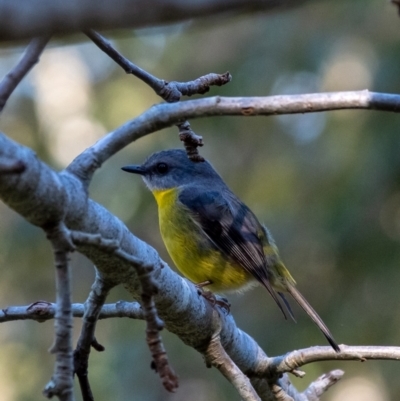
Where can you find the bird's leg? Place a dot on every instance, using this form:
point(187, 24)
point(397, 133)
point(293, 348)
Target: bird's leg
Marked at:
point(212, 298)
point(203, 284)
point(208, 295)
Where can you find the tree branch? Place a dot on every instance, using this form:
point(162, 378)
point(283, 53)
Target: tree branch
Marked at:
point(69, 200)
point(167, 114)
point(130, 68)
point(216, 356)
point(148, 290)
point(188, 315)
point(191, 141)
point(295, 359)
point(11, 166)
point(26, 18)
point(61, 384)
point(97, 296)
point(15, 76)
point(322, 384)
point(169, 91)
point(41, 311)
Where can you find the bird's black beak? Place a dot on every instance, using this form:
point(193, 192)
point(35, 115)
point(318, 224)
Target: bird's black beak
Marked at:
point(135, 169)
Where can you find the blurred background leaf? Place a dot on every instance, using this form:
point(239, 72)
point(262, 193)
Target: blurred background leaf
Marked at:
point(326, 184)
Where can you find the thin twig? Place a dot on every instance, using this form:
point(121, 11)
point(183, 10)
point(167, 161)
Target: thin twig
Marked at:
point(293, 360)
point(41, 311)
point(198, 86)
point(15, 76)
point(149, 289)
point(322, 384)
point(279, 393)
point(130, 68)
point(191, 141)
point(153, 327)
point(61, 383)
point(96, 299)
point(169, 91)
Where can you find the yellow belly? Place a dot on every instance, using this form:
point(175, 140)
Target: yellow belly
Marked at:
point(192, 252)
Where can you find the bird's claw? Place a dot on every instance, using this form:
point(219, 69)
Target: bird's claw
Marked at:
point(214, 300)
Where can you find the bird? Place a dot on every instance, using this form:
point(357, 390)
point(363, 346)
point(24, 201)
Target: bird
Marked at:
point(213, 238)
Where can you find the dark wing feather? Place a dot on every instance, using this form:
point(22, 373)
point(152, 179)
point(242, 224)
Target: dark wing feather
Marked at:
point(232, 228)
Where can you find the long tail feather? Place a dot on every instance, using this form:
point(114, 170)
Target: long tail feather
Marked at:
point(313, 315)
point(288, 307)
point(268, 286)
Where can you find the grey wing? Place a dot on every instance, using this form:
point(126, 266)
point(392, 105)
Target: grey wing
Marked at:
point(232, 227)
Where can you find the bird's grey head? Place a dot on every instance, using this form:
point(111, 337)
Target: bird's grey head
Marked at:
point(172, 168)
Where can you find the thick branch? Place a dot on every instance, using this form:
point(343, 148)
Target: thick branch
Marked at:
point(11, 166)
point(15, 76)
point(188, 315)
point(26, 18)
point(167, 114)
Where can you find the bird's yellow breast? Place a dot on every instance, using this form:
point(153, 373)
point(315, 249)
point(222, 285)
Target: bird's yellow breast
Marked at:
point(192, 252)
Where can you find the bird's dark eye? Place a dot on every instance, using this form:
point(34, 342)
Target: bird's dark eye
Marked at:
point(162, 168)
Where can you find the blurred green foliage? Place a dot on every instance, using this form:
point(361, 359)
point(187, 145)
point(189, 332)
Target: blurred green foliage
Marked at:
point(326, 184)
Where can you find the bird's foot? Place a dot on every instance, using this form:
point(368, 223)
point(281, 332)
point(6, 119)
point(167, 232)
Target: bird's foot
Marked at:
point(213, 299)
